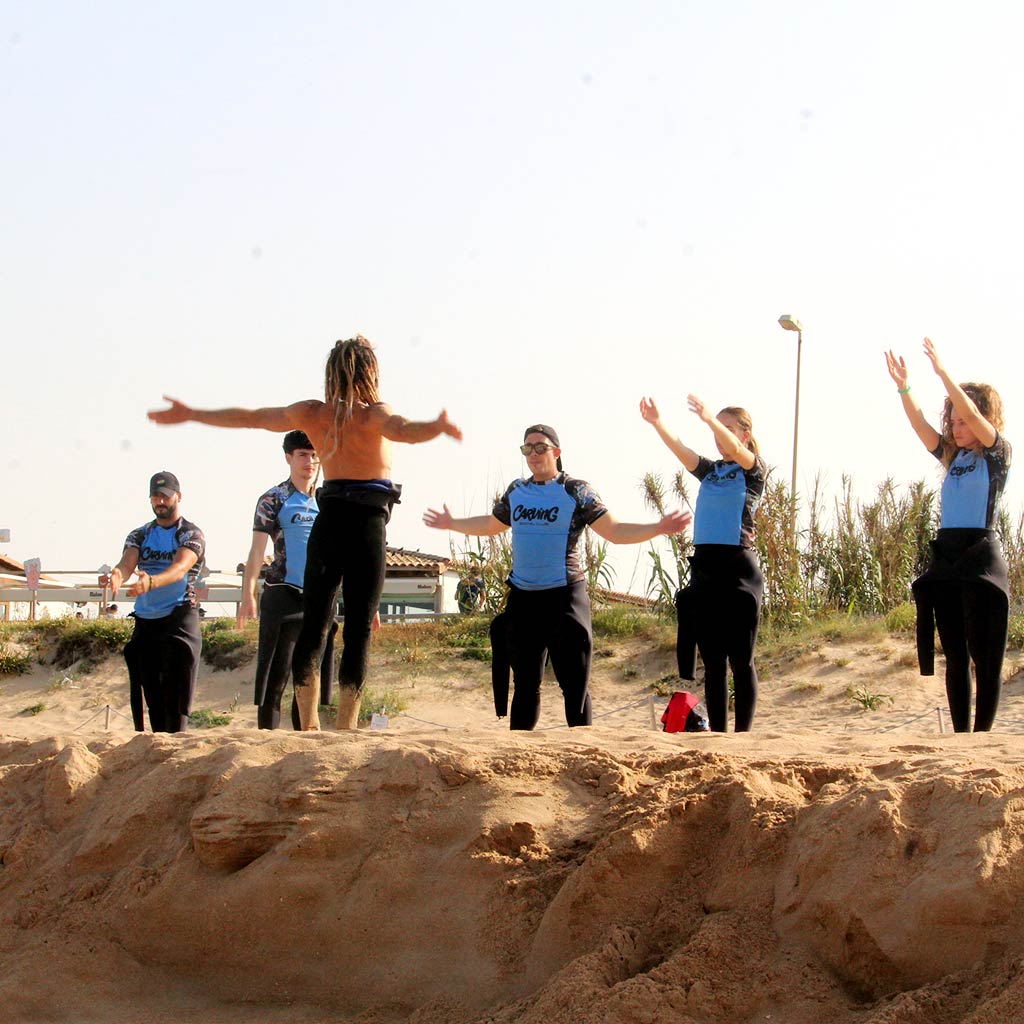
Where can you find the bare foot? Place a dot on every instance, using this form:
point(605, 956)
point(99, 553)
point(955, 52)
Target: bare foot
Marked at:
point(348, 708)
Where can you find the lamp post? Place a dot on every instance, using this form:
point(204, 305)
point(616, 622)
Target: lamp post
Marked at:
point(790, 323)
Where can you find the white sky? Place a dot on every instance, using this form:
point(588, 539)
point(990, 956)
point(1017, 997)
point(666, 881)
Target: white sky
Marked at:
point(537, 211)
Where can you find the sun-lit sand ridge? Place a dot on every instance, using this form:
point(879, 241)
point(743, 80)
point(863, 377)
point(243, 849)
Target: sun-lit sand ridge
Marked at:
point(837, 865)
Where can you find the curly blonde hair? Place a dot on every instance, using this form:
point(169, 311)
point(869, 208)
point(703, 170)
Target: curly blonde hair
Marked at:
point(989, 404)
point(744, 422)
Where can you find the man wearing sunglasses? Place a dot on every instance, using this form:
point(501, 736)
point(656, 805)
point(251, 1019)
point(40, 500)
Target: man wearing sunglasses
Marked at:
point(548, 609)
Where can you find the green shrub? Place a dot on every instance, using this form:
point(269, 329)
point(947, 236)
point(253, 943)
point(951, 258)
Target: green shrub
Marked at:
point(204, 718)
point(378, 701)
point(902, 618)
point(94, 639)
point(867, 700)
point(1016, 631)
point(13, 663)
point(227, 647)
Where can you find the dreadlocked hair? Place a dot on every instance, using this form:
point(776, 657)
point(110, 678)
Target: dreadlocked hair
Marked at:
point(744, 422)
point(351, 377)
point(989, 404)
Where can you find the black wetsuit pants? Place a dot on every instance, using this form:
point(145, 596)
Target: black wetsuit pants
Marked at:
point(163, 663)
point(280, 622)
point(347, 548)
point(971, 628)
point(726, 610)
point(551, 623)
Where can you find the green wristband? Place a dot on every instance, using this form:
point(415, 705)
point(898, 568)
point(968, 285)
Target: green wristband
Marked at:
point(904, 391)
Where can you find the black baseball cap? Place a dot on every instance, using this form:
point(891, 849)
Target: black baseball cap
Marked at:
point(164, 483)
point(296, 439)
point(548, 432)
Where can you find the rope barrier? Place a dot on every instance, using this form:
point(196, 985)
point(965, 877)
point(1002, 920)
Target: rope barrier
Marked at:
point(917, 718)
point(106, 710)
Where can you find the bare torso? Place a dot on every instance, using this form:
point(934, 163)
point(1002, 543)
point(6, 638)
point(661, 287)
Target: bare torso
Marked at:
point(362, 452)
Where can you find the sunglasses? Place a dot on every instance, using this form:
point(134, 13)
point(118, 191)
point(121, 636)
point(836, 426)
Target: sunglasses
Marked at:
point(538, 449)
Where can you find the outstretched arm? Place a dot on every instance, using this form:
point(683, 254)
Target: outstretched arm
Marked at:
point(121, 571)
point(962, 402)
point(897, 367)
point(731, 446)
point(398, 428)
point(474, 526)
point(274, 418)
point(183, 560)
point(687, 456)
point(610, 529)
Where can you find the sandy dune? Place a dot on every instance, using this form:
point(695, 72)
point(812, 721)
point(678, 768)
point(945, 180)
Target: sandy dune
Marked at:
point(835, 865)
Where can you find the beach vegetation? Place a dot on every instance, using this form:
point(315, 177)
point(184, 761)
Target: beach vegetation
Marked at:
point(866, 699)
point(13, 662)
point(206, 718)
point(376, 702)
point(224, 646)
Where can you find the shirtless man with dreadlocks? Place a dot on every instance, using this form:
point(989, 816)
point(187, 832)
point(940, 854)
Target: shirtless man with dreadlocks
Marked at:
point(352, 429)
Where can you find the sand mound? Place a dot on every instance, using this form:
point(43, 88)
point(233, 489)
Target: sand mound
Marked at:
point(378, 878)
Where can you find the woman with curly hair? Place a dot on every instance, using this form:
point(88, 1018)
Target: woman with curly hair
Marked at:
point(964, 591)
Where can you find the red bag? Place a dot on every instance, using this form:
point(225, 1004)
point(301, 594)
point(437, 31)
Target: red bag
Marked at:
point(684, 713)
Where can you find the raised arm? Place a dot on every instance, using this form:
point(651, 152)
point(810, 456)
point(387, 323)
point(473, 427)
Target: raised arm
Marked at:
point(687, 456)
point(473, 526)
point(610, 529)
point(728, 443)
point(398, 428)
point(897, 367)
point(274, 418)
point(962, 402)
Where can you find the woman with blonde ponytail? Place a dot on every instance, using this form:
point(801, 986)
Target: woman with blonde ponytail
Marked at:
point(720, 608)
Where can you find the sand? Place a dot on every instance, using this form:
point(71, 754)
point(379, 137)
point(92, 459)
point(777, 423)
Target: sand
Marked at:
point(836, 865)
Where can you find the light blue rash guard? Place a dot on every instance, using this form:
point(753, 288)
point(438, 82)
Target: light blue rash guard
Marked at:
point(726, 502)
point(546, 520)
point(288, 516)
point(157, 547)
point(973, 485)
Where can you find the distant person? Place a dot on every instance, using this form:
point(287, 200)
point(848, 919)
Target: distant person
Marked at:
point(469, 594)
point(284, 514)
point(548, 608)
point(965, 591)
point(352, 430)
point(719, 610)
point(167, 556)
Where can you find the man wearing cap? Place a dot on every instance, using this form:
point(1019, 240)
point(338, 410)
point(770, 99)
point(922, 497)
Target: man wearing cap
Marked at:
point(548, 608)
point(285, 513)
point(166, 555)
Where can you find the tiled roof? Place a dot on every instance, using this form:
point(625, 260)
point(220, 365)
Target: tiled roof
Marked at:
point(399, 558)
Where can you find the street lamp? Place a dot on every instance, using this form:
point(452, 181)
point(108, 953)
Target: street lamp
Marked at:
point(790, 323)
